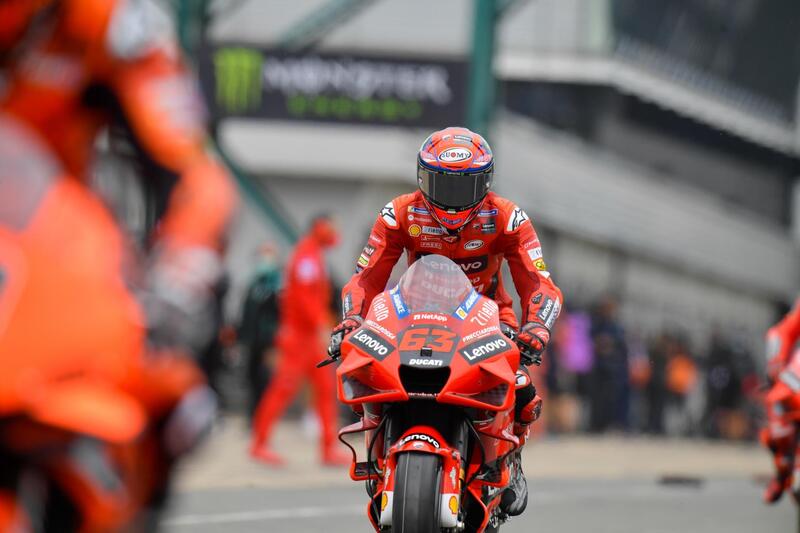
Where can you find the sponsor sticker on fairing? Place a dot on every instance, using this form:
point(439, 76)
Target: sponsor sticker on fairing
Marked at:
point(469, 302)
point(485, 348)
point(485, 313)
point(379, 308)
point(421, 437)
point(424, 361)
point(480, 333)
point(399, 305)
point(372, 343)
point(377, 327)
point(430, 316)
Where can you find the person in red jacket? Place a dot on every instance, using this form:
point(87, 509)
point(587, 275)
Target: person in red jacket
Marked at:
point(305, 320)
point(454, 214)
point(783, 372)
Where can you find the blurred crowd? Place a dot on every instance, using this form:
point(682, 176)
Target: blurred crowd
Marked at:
point(600, 377)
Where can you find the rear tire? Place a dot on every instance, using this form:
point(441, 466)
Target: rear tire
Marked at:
point(415, 508)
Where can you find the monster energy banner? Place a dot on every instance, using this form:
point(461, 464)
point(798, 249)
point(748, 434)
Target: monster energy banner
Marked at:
point(248, 82)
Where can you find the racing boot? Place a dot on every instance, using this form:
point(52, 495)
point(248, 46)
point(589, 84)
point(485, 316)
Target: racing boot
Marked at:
point(515, 498)
point(527, 405)
point(526, 411)
point(779, 437)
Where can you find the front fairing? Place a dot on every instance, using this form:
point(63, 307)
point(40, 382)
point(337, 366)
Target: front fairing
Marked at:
point(430, 337)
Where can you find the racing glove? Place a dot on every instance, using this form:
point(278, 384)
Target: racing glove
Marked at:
point(532, 339)
point(344, 327)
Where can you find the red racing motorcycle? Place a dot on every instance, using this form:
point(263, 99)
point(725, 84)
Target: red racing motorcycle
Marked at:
point(433, 379)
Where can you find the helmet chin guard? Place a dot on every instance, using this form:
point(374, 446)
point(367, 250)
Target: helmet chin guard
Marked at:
point(451, 220)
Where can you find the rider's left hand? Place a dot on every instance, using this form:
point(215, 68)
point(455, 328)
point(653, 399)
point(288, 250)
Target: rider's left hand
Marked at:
point(532, 340)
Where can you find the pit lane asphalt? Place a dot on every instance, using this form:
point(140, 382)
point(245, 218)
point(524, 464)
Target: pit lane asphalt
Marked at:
point(574, 505)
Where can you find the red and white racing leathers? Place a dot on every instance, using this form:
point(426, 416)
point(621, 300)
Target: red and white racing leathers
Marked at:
point(500, 230)
point(783, 399)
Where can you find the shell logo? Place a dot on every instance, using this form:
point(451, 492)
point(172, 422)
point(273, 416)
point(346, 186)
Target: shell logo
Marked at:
point(384, 501)
point(453, 505)
point(414, 230)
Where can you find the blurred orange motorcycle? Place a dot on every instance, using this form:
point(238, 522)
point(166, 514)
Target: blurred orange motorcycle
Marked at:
point(90, 420)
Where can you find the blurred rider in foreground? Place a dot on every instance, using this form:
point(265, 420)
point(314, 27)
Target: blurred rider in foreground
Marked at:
point(454, 214)
point(303, 329)
point(73, 67)
point(77, 378)
point(783, 400)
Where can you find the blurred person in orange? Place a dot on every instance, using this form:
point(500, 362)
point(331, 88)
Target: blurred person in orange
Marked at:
point(305, 320)
point(87, 414)
point(72, 337)
point(73, 67)
point(453, 213)
point(782, 401)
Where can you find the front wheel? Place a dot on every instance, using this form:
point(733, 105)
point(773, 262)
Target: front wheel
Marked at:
point(415, 508)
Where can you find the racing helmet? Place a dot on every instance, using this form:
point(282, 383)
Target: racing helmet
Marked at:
point(454, 173)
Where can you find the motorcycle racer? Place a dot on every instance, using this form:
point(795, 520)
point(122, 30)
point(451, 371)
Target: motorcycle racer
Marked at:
point(453, 213)
point(783, 373)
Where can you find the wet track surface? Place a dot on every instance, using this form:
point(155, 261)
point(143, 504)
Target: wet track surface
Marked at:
point(600, 506)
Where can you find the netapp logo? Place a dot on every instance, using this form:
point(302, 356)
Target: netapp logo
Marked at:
point(484, 349)
point(430, 316)
point(420, 436)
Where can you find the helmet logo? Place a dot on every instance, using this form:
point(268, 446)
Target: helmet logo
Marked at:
point(455, 155)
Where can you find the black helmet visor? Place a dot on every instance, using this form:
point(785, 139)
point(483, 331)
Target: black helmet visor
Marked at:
point(454, 190)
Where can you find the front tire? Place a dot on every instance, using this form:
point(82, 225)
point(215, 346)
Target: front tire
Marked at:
point(415, 508)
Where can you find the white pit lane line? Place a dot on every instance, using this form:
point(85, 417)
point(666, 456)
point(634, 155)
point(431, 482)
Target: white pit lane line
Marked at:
point(266, 514)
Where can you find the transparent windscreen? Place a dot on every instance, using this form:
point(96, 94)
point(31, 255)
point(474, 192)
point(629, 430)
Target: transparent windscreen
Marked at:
point(434, 284)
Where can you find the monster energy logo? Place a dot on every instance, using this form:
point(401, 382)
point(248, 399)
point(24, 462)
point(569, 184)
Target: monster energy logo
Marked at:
point(238, 78)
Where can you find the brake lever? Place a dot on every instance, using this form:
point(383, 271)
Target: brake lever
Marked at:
point(327, 362)
point(333, 356)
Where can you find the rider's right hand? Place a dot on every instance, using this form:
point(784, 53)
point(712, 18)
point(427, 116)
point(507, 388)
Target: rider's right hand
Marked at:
point(344, 327)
